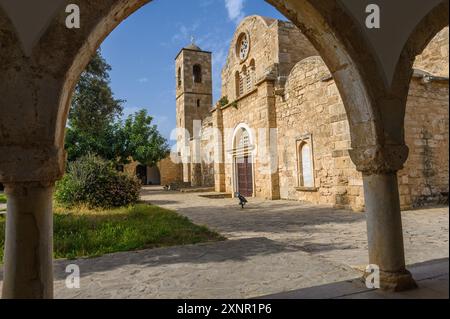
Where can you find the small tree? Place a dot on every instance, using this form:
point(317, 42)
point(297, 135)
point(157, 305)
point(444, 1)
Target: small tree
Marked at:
point(140, 140)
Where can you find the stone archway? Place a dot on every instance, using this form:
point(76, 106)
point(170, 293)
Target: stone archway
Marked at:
point(36, 89)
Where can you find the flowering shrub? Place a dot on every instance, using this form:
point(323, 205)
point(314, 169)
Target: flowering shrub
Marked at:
point(93, 182)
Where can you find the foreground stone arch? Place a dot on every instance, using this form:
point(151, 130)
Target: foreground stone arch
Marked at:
point(36, 89)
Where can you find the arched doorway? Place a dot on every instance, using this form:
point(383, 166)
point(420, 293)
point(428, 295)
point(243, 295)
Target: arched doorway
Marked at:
point(243, 161)
point(141, 173)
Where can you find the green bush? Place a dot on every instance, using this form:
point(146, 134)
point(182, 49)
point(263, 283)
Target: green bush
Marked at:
point(93, 182)
point(2, 198)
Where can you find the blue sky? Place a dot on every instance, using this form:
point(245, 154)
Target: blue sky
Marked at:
point(142, 49)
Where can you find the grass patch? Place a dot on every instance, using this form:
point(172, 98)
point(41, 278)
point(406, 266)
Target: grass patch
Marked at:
point(2, 198)
point(91, 233)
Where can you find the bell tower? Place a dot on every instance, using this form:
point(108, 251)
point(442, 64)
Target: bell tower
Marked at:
point(193, 68)
point(194, 86)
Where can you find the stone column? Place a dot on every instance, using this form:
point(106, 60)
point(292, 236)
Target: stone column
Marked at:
point(385, 232)
point(384, 223)
point(28, 262)
point(29, 175)
point(196, 166)
point(219, 155)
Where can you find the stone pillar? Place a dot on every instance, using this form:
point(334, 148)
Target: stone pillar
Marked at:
point(196, 162)
point(29, 175)
point(385, 232)
point(268, 158)
point(384, 223)
point(186, 172)
point(28, 261)
point(219, 155)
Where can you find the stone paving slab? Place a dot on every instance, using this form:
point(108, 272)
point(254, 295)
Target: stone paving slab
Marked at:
point(431, 277)
point(240, 268)
point(336, 235)
point(272, 247)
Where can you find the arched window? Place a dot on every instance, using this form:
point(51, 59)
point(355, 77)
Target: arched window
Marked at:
point(243, 139)
point(305, 165)
point(179, 77)
point(237, 79)
point(242, 79)
point(197, 71)
point(248, 81)
point(252, 73)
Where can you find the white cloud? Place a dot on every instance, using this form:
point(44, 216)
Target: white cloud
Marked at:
point(235, 9)
point(143, 80)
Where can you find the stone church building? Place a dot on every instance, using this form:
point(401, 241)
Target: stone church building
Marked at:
point(280, 130)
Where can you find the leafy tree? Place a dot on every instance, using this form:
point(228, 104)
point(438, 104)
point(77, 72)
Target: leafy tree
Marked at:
point(94, 106)
point(140, 140)
point(93, 113)
point(95, 125)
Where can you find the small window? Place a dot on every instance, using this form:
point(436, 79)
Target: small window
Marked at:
point(237, 79)
point(197, 70)
point(252, 73)
point(242, 78)
point(198, 103)
point(305, 164)
point(179, 77)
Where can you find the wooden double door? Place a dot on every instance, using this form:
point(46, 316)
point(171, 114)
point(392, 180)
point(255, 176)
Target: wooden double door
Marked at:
point(244, 173)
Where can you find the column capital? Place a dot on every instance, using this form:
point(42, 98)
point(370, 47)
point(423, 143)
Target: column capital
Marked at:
point(22, 164)
point(379, 159)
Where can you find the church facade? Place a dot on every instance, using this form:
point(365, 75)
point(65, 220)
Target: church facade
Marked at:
point(280, 130)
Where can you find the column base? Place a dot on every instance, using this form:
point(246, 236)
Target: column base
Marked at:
point(395, 281)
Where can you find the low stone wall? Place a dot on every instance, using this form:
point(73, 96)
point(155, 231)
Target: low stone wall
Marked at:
point(170, 172)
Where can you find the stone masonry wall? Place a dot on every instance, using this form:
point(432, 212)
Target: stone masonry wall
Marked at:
point(276, 46)
point(301, 99)
point(293, 47)
point(313, 106)
point(193, 100)
point(207, 153)
point(426, 172)
point(435, 57)
point(263, 49)
point(170, 172)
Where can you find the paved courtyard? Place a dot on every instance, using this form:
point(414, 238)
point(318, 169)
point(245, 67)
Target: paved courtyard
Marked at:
point(272, 247)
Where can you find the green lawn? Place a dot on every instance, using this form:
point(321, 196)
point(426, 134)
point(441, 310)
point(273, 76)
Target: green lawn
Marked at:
point(2, 198)
point(87, 233)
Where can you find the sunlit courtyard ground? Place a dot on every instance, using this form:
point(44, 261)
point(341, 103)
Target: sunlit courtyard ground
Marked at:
point(272, 247)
